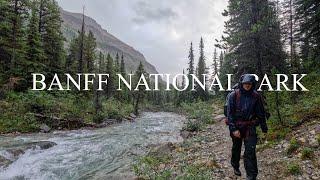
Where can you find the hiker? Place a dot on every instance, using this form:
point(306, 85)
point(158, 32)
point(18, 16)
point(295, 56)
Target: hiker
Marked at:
point(245, 111)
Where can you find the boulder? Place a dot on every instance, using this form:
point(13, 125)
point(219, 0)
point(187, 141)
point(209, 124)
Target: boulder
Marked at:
point(44, 144)
point(185, 134)
point(133, 115)
point(4, 162)
point(162, 150)
point(44, 128)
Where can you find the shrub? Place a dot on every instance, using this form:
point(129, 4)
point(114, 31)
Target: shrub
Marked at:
point(307, 153)
point(193, 125)
point(294, 169)
point(294, 145)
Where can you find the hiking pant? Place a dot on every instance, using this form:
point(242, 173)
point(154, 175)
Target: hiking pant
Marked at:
point(249, 158)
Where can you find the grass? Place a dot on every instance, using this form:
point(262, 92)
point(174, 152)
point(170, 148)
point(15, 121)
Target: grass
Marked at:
point(307, 153)
point(152, 167)
point(199, 114)
point(294, 169)
point(293, 146)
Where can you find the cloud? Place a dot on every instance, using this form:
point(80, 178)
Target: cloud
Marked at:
point(146, 12)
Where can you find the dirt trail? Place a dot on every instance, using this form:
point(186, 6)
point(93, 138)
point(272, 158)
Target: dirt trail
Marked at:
point(206, 154)
point(273, 161)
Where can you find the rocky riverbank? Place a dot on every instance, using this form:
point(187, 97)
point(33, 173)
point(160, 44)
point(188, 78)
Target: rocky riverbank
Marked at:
point(206, 155)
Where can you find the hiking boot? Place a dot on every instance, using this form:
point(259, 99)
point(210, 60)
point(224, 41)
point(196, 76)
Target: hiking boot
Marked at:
point(237, 171)
point(251, 178)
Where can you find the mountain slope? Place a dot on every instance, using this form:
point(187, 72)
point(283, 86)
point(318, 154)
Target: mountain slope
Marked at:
point(106, 42)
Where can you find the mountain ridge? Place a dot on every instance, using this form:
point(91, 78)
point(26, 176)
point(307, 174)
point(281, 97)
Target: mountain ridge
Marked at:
point(106, 42)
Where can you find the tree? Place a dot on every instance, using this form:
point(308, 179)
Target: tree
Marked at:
point(308, 16)
point(201, 69)
point(35, 52)
point(122, 66)
point(253, 37)
point(73, 56)
point(111, 80)
point(13, 14)
point(221, 58)
point(139, 94)
point(289, 31)
point(190, 63)
point(117, 63)
point(215, 62)
point(51, 35)
point(97, 95)
point(90, 51)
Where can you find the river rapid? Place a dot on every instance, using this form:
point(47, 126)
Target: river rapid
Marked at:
point(106, 153)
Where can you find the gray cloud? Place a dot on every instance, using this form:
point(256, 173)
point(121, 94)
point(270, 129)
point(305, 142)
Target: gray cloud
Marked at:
point(146, 12)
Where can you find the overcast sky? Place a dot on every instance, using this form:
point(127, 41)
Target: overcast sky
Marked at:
point(160, 29)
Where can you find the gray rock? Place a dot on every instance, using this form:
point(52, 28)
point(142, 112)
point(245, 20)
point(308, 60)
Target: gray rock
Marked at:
point(44, 144)
point(162, 150)
point(219, 117)
point(185, 134)
point(133, 115)
point(44, 128)
point(4, 162)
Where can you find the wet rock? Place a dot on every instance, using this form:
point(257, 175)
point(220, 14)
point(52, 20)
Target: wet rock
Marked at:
point(16, 152)
point(44, 128)
point(109, 121)
point(44, 144)
point(162, 150)
point(219, 117)
point(4, 162)
point(133, 115)
point(185, 134)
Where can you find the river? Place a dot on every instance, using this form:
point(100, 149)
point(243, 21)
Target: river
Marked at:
point(105, 153)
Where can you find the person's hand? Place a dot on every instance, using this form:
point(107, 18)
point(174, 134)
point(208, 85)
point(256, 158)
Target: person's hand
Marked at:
point(236, 133)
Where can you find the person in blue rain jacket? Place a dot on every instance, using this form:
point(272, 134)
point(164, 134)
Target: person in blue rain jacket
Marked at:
point(245, 111)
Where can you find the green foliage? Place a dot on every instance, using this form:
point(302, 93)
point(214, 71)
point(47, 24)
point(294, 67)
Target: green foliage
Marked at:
point(148, 167)
point(293, 146)
point(198, 113)
point(18, 109)
point(115, 109)
point(307, 153)
point(193, 126)
point(192, 172)
point(294, 169)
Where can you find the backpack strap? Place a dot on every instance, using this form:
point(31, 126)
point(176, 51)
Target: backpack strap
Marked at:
point(238, 96)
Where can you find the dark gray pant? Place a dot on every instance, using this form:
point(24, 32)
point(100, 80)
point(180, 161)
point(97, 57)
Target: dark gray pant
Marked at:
point(249, 158)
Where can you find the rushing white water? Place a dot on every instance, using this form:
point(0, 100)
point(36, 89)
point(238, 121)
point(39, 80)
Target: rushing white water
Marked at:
point(105, 153)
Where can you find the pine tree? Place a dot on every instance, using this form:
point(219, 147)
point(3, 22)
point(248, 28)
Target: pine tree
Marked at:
point(308, 16)
point(35, 52)
point(221, 58)
point(90, 51)
point(111, 80)
point(289, 31)
point(73, 56)
point(139, 95)
point(81, 45)
point(122, 66)
point(51, 35)
point(201, 69)
point(215, 62)
point(13, 15)
point(253, 38)
point(117, 63)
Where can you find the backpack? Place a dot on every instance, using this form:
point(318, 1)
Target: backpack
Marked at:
point(237, 99)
